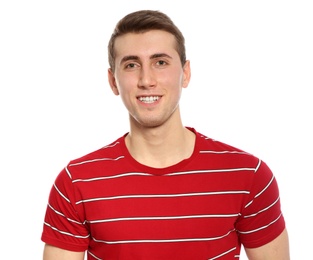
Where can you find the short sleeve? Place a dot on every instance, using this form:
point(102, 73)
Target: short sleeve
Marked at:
point(261, 219)
point(63, 226)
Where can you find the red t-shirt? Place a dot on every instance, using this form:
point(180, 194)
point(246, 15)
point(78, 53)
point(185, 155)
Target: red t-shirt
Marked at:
point(203, 207)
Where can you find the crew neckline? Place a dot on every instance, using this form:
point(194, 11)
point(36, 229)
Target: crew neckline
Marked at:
point(160, 171)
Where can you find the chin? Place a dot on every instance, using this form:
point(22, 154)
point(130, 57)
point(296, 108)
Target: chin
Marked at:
point(149, 123)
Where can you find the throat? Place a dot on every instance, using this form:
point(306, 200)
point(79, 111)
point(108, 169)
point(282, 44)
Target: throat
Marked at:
point(161, 153)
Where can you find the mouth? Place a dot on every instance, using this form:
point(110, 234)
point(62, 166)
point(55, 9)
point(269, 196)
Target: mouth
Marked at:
point(149, 99)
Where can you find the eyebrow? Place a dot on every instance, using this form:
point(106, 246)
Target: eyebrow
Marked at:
point(129, 57)
point(153, 56)
point(160, 55)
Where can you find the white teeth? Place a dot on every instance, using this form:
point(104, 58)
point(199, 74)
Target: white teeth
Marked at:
point(149, 99)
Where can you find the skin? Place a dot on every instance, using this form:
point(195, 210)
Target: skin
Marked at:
point(277, 249)
point(55, 253)
point(148, 65)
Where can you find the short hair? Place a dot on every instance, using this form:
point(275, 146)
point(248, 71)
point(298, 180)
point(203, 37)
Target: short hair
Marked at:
point(143, 21)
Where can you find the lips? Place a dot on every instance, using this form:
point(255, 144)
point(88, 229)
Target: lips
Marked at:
point(149, 99)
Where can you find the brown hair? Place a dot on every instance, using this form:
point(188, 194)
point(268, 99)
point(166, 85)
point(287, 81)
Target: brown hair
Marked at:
point(143, 21)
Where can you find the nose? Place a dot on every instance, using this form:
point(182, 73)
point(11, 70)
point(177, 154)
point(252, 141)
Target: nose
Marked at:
point(146, 77)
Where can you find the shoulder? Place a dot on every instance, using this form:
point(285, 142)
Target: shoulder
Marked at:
point(225, 153)
point(229, 158)
point(208, 142)
point(94, 163)
point(109, 151)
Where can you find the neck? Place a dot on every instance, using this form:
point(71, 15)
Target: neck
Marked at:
point(160, 146)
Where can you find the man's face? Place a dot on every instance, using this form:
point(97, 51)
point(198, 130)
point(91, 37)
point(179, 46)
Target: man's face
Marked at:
point(149, 76)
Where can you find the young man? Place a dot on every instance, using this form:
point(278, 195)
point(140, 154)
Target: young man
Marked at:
point(161, 191)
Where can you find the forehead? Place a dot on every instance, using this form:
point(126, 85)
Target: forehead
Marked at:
point(147, 43)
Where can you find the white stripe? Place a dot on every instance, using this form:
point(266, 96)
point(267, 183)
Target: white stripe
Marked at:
point(225, 253)
point(222, 152)
point(65, 233)
point(61, 214)
point(55, 186)
point(94, 255)
point(249, 203)
point(211, 171)
point(169, 174)
point(68, 172)
point(110, 146)
point(114, 176)
point(163, 218)
point(258, 166)
point(253, 215)
point(260, 228)
point(97, 160)
point(162, 240)
point(165, 195)
point(265, 187)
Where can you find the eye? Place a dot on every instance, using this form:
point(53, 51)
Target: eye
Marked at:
point(130, 66)
point(161, 62)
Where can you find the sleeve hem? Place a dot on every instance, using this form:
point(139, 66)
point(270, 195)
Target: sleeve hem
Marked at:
point(264, 240)
point(63, 244)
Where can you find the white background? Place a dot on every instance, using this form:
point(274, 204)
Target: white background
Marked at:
point(251, 87)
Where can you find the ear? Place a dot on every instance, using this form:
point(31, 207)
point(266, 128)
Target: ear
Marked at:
point(112, 82)
point(187, 74)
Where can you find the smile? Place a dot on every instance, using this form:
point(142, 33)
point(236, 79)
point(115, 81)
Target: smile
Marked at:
point(150, 99)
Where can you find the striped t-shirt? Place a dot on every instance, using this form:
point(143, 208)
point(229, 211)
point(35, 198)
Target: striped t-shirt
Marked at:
point(203, 207)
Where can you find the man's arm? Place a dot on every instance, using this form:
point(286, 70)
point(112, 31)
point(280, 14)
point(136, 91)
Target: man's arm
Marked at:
point(277, 249)
point(53, 253)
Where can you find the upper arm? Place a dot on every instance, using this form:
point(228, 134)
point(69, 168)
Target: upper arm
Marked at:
point(277, 249)
point(52, 253)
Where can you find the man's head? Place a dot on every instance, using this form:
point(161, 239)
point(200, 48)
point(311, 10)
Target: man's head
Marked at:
point(143, 21)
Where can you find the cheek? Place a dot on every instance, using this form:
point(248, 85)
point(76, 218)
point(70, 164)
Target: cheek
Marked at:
point(177, 74)
point(125, 90)
point(121, 86)
point(172, 77)
point(125, 81)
